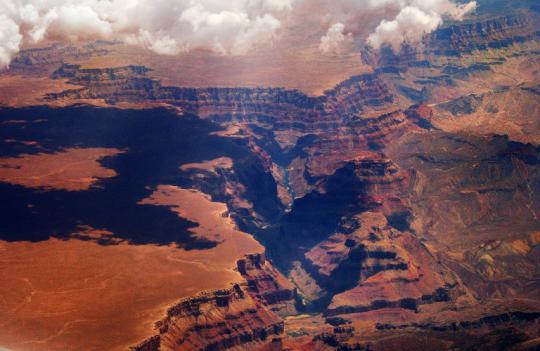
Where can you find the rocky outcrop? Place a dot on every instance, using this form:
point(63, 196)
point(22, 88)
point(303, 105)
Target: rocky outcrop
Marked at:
point(356, 94)
point(246, 315)
point(268, 285)
point(118, 84)
point(79, 76)
point(283, 126)
point(385, 267)
point(323, 245)
point(284, 109)
point(504, 110)
point(46, 59)
point(487, 321)
point(511, 330)
point(477, 196)
point(367, 182)
point(215, 320)
point(457, 39)
point(128, 83)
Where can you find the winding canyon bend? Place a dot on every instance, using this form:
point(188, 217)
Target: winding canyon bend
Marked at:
point(398, 209)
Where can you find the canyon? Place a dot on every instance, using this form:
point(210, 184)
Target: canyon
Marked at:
point(398, 210)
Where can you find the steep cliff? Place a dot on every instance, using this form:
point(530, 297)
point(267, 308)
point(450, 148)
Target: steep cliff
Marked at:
point(44, 60)
point(393, 268)
point(496, 32)
point(459, 39)
point(476, 199)
point(245, 315)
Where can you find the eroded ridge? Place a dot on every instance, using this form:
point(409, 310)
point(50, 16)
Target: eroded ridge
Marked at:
point(246, 315)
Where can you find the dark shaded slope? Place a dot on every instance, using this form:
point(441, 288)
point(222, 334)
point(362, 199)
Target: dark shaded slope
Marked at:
point(157, 142)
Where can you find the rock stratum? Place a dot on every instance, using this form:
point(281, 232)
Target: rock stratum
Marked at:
point(246, 316)
point(398, 210)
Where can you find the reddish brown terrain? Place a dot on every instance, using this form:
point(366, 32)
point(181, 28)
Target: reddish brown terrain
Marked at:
point(391, 203)
point(72, 169)
point(77, 292)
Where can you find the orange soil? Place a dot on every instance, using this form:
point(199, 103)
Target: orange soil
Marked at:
point(266, 67)
point(78, 295)
point(73, 169)
point(17, 90)
point(211, 165)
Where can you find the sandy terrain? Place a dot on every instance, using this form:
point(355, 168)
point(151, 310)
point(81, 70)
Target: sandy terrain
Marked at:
point(17, 90)
point(73, 169)
point(78, 295)
point(214, 224)
point(210, 166)
point(268, 67)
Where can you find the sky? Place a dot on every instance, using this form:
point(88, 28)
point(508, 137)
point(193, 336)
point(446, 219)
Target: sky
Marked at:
point(231, 27)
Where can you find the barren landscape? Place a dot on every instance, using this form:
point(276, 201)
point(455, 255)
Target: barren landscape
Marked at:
point(78, 292)
point(322, 188)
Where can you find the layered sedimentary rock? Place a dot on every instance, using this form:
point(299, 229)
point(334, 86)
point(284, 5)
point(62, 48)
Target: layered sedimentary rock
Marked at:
point(283, 125)
point(505, 30)
point(457, 39)
point(268, 285)
point(506, 110)
point(514, 330)
point(215, 320)
point(246, 315)
point(393, 268)
point(278, 106)
point(43, 60)
point(476, 198)
point(390, 216)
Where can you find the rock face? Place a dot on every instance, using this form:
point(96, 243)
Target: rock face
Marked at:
point(357, 115)
point(484, 333)
point(266, 284)
point(42, 60)
point(216, 320)
point(393, 268)
point(478, 213)
point(501, 31)
point(244, 316)
point(458, 39)
point(509, 110)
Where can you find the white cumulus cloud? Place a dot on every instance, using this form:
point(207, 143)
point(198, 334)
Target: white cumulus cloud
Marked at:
point(165, 26)
point(414, 19)
point(10, 39)
point(335, 39)
point(230, 27)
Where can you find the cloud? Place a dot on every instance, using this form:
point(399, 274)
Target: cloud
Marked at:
point(335, 39)
point(165, 26)
point(10, 39)
point(75, 22)
point(227, 31)
point(231, 27)
point(409, 25)
point(391, 22)
point(278, 5)
point(414, 19)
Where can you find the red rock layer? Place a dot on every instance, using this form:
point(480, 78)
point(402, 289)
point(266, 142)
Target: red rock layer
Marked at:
point(458, 38)
point(396, 270)
point(266, 284)
point(244, 315)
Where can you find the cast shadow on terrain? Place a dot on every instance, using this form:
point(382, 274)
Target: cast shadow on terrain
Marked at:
point(157, 142)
